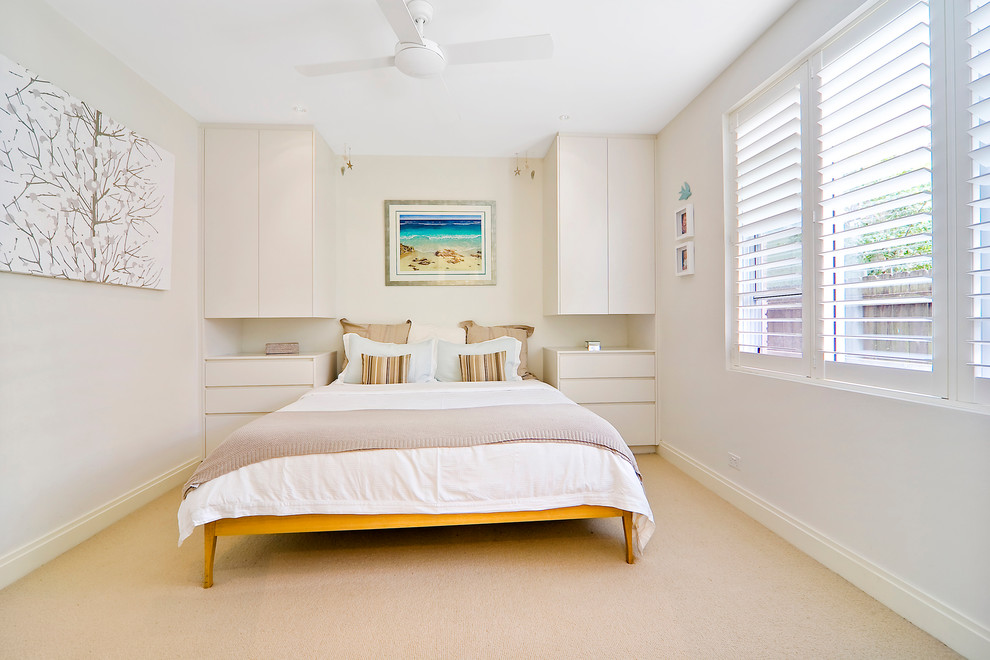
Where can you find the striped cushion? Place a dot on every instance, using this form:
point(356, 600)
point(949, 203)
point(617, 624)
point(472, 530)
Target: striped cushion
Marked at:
point(488, 366)
point(384, 370)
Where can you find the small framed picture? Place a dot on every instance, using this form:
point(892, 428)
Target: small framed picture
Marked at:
point(684, 263)
point(684, 222)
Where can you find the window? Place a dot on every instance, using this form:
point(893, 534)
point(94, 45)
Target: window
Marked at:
point(845, 233)
point(768, 236)
point(978, 33)
point(875, 208)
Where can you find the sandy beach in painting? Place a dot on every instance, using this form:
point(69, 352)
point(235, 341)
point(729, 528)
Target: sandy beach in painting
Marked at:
point(412, 260)
point(440, 242)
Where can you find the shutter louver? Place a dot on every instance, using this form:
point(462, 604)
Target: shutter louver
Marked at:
point(979, 220)
point(768, 228)
point(875, 273)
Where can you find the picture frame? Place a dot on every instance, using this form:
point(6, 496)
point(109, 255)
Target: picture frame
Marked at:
point(684, 222)
point(684, 259)
point(439, 242)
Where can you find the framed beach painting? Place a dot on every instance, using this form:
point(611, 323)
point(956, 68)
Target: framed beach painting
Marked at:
point(429, 242)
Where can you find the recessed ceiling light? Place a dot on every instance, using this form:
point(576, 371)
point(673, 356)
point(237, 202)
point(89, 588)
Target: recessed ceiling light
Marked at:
point(301, 109)
point(564, 117)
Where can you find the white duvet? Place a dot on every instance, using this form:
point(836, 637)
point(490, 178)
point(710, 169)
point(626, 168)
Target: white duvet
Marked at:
point(480, 479)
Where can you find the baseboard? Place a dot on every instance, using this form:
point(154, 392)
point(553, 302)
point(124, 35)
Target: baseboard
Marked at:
point(957, 631)
point(18, 563)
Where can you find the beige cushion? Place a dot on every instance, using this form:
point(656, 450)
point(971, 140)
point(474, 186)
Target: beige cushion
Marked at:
point(386, 333)
point(384, 370)
point(394, 333)
point(479, 333)
point(483, 367)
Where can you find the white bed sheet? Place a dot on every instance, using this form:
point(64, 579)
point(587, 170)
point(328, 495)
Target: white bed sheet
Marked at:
point(426, 396)
point(477, 479)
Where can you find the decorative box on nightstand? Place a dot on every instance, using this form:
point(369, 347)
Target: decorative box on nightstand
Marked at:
point(617, 383)
point(241, 388)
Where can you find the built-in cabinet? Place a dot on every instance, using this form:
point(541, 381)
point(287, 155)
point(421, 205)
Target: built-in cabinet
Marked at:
point(268, 208)
point(269, 200)
point(241, 388)
point(599, 252)
point(619, 384)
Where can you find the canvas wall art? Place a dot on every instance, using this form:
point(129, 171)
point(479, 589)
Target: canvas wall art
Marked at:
point(82, 197)
point(439, 242)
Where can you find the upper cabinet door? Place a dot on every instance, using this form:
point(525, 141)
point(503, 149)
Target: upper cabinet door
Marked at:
point(270, 235)
point(631, 222)
point(285, 230)
point(582, 225)
point(324, 230)
point(599, 237)
point(231, 223)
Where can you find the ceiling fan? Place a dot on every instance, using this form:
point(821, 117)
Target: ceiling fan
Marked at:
point(419, 57)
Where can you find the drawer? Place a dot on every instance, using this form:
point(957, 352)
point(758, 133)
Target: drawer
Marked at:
point(251, 399)
point(636, 422)
point(607, 365)
point(609, 390)
point(262, 371)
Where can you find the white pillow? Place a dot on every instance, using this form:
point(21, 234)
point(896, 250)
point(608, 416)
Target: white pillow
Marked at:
point(423, 331)
point(449, 364)
point(421, 364)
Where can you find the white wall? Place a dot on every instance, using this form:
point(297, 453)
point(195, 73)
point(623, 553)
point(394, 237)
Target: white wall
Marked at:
point(101, 389)
point(901, 487)
point(516, 298)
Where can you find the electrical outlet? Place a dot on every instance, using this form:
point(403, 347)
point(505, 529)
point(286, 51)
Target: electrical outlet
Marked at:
point(734, 461)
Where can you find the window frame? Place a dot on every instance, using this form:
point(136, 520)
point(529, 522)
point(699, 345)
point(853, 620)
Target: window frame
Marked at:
point(786, 364)
point(951, 381)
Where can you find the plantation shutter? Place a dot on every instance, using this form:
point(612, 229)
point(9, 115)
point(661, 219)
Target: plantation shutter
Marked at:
point(767, 241)
point(979, 221)
point(875, 177)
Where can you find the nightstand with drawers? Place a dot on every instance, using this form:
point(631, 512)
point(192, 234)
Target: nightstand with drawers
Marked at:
point(617, 383)
point(241, 388)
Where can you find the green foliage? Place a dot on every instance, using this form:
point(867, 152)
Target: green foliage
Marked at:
point(920, 229)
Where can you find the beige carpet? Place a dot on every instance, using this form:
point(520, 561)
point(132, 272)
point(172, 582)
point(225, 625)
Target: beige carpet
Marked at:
point(712, 584)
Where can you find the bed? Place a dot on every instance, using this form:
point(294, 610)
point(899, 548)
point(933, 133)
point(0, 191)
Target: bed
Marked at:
point(351, 456)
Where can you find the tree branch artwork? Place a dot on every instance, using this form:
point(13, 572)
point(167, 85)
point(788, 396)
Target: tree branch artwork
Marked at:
point(81, 196)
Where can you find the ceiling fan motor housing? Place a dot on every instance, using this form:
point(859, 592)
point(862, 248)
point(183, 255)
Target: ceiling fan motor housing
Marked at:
point(421, 12)
point(420, 61)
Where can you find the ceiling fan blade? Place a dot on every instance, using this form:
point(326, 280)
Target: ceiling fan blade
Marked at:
point(512, 49)
point(401, 20)
point(330, 68)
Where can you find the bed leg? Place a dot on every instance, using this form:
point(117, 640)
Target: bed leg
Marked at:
point(627, 529)
point(210, 541)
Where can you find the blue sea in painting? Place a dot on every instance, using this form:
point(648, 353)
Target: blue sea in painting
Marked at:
point(429, 232)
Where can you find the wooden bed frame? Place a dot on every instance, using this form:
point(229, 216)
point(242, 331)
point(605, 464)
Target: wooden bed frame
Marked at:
point(333, 523)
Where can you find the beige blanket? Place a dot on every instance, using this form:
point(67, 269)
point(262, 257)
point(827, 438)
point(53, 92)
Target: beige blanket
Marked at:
point(299, 433)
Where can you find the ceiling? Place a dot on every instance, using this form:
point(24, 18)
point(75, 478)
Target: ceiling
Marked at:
point(625, 66)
